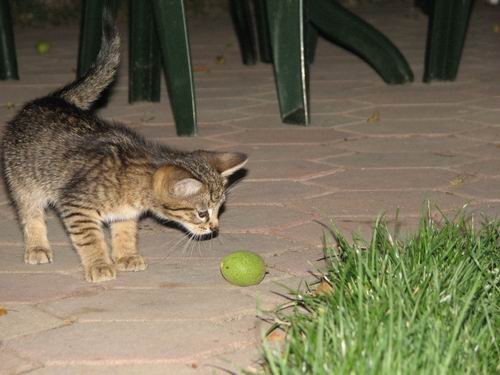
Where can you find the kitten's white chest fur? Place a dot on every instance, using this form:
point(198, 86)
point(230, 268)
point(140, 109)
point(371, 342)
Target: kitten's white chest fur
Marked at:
point(122, 213)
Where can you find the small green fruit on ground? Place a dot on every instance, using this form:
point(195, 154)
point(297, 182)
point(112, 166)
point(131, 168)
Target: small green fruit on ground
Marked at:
point(42, 47)
point(243, 268)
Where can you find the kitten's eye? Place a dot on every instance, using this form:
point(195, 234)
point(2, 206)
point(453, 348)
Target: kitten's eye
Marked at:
point(203, 214)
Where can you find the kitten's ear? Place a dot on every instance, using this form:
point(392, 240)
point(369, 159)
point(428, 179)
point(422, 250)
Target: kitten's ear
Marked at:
point(186, 187)
point(226, 163)
point(176, 181)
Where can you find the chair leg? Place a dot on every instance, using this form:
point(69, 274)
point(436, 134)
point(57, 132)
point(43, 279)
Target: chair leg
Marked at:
point(241, 15)
point(446, 34)
point(286, 25)
point(350, 31)
point(171, 25)
point(8, 61)
point(266, 53)
point(311, 41)
point(144, 57)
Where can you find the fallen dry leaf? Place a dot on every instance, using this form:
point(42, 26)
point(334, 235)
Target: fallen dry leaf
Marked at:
point(457, 181)
point(496, 28)
point(10, 105)
point(375, 117)
point(324, 288)
point(276, 335)
point(147, 118)
point(201, 69)
point(3, 311)
point(219, 60)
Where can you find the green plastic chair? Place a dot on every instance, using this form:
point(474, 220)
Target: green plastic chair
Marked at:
point(446, 33)
point(8, 61)
point(167, 36)
point(292, 27)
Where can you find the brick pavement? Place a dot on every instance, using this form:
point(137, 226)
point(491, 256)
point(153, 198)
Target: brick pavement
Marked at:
point(438, 141)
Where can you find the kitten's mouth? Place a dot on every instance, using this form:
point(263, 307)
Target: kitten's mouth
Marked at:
point(201, 234)
point(204, 236)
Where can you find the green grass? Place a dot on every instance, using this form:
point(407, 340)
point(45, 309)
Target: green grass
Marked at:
point(425, 305)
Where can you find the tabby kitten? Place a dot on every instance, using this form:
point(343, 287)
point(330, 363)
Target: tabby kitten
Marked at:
point(56, 152)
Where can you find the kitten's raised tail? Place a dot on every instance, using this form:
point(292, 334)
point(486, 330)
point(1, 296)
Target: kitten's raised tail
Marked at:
point(87, 89)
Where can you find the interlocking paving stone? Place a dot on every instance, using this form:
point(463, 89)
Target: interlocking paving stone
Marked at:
point(488, 103)
point(322, 120)
point(192, 143)
point(489, 150)
point(208, 92)
point(160, 131)
point(422, 111)
point(286, 136)
point(154, 305)
point(286, 169)
point(333, 106)
point(222, 104)
point(373, 203)
point(238, 361)
point(490, 133)
point(314, 233)
point(155, 245)
point(130, 342)
point(414, 126)
point(37, 287)
point(298, 262)
point(309, 233)
point(273, 191)
point(481, 211)
point(287, 152)
point(218, 117)
point(23, 320)
point(486, 117)
point(183, 272)
point(17, 95)
point(338, 89)
point(65, 260)
point(418, 93)
point(271, 294)
point(440, 138)
point(126, 369)
point(487, 167)
point(10, 363)
point(259, 218)
point(12, 232)
point(258, 120)
point(488, 188)
point(409, 144)
point(386, 179)
point(142, 115)
point(401, 159)
point(4, 198)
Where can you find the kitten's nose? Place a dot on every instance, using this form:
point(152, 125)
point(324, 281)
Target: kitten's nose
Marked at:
point(214, 228)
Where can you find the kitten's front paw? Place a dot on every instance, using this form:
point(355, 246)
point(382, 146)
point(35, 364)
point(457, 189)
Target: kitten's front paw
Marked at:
point(38, 255)
point(98, 272)
point(131, 263)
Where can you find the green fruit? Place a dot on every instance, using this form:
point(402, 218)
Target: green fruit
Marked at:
point(243, 268)
point(42, 47)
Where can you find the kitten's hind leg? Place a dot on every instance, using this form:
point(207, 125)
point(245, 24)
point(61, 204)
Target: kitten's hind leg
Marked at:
point(124, 253)
point(86, 233)
point(32, 217)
